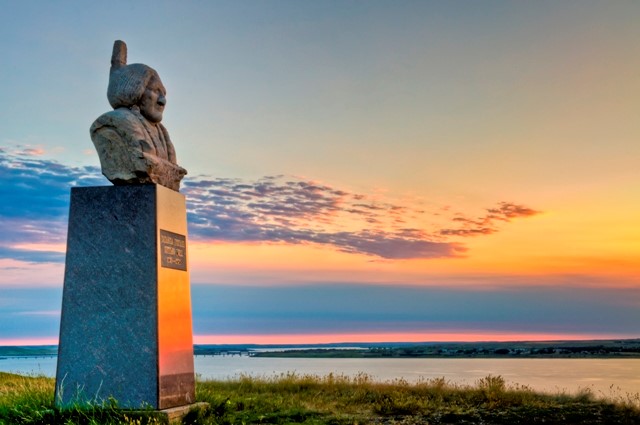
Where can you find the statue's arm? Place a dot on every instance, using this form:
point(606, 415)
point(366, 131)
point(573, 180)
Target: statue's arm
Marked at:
point(127, 156)
point(164, 172)
point(120, 161)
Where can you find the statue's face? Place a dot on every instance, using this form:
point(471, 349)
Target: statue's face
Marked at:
point(153, 100)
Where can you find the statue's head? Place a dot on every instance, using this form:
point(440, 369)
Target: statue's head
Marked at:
point(135, 85)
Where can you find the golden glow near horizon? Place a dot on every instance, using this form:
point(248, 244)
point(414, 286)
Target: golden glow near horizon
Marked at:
point(397, 337)
point(381, 337)
point(553, 243)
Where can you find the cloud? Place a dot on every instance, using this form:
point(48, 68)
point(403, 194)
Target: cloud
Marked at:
point(291, 210)
point(272, 209)
point(508, 210)
point(31, 256)
point(30, 312)
point(44, 313)
point(514, 307)
point(35, 196)
point(488, 224)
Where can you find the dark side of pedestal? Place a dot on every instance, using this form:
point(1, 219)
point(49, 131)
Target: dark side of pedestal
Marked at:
point(125, 331)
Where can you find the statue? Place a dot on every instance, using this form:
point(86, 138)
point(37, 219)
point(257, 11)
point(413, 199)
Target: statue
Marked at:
point(134, 148)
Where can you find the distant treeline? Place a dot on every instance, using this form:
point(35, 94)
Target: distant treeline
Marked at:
point(627, 348)
point(29, 351)
point(552, 349)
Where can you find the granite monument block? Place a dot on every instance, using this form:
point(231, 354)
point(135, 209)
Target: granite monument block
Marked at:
point(126, 329)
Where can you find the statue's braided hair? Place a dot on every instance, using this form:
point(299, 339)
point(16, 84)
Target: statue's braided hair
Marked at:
point(127, 83)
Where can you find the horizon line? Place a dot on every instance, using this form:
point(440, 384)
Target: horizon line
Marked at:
point(392, 338)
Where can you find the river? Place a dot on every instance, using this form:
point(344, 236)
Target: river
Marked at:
point(608, 378)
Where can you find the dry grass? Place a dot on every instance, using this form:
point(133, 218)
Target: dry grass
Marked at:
point(333, 399)
point(337, 399)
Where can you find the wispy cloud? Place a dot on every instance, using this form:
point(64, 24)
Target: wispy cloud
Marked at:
point(272, 209)
point(489, 223)
point(45, 313)
point(516, 306)
point(293, 210)
point(519, 306)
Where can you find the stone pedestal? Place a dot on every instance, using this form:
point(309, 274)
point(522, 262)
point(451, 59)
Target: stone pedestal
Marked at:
point(126, 328)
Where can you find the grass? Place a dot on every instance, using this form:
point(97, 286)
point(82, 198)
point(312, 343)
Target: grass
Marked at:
point(333, 399)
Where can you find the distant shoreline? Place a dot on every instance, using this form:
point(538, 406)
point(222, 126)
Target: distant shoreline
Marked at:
point(600, 349)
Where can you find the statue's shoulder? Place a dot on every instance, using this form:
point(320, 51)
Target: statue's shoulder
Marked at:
point(122, 120)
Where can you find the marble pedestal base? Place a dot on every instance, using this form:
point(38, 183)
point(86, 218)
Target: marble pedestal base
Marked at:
point(125, 330)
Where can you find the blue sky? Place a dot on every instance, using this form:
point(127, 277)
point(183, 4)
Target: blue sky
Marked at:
point(357, 170)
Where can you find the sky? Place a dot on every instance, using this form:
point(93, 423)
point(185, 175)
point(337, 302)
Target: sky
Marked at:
point(357, 170)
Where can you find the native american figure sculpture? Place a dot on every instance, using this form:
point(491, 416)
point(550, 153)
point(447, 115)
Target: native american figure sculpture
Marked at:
point(133, 146)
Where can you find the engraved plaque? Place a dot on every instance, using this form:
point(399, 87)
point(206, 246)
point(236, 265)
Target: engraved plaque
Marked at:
point(173, 250)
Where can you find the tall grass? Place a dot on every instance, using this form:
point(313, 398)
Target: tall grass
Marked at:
point(333, 399)
point(29, 400)
point(339, 399)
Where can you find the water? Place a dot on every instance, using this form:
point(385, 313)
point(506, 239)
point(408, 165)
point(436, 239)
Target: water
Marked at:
point(610, 378)
point(29, 365)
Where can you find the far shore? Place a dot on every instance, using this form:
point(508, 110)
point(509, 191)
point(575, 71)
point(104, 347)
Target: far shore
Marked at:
point(618, 349)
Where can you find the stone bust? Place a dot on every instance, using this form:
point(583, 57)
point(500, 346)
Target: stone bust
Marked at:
point(133, 146)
